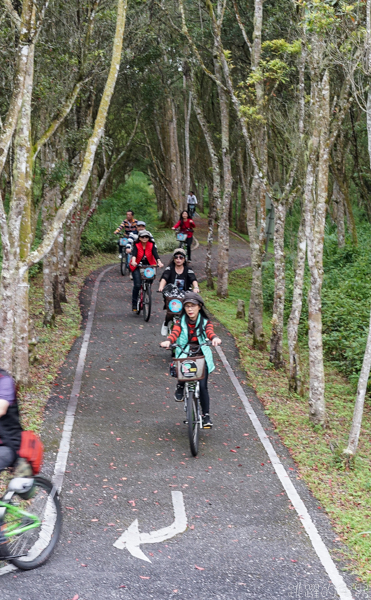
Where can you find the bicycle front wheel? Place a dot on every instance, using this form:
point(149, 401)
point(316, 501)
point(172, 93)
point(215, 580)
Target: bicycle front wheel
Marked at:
point(147, 303)
point(140, 301)
point(32, 526)
point(124, 265)
point(193, 422)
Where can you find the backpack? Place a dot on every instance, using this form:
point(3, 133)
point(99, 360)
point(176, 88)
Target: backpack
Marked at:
point(32, 450)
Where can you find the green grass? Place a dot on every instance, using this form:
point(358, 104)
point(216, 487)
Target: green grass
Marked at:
point(343, 494)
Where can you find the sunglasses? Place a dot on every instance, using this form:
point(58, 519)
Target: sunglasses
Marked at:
point(144, 237)
point(179, 256)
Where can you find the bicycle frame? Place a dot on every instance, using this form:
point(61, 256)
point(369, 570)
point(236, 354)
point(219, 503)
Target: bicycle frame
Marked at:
point(12, 530)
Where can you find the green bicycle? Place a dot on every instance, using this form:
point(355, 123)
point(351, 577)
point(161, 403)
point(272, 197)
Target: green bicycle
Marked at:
point(30, 522)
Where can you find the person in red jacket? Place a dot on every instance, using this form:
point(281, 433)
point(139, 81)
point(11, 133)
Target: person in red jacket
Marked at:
point(186, 225)
point(145, 253)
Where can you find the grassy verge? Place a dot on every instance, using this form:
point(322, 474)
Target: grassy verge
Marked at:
point(54, 342)
point(343, 494)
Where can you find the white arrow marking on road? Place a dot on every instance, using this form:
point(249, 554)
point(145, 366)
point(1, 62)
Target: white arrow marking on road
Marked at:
point(131, 538)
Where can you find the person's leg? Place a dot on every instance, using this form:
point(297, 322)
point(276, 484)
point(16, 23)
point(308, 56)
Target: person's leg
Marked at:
point(189, 244)
point(136, 287)
point(204, 393)
point(7, 457)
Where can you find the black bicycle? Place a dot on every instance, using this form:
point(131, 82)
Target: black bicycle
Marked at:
point(125, 258)
point(31, 522)
point(189, 370)
point(148, 275)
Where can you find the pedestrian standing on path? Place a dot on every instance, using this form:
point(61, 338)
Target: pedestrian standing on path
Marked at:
point(186, 225)
point(191, 203)
point(192, 330)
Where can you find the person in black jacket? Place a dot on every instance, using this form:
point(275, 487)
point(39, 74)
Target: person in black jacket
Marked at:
point(10, 428)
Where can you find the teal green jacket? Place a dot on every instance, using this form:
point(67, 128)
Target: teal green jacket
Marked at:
point(183, 342)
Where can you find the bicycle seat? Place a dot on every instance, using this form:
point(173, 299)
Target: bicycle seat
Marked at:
point(21, 485)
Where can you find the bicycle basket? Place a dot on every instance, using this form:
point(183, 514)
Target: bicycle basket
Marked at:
point(181, 237)
point(190, 369)
point(174, 305)
point(123, 241)
point(148, 273)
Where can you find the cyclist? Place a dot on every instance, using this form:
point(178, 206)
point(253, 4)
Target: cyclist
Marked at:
point(191, 203)
point(133, 237)
point(145, 253)
point(130, 226)
point(10, 429)
point(178, 273)
point(192, 330)
point(186, 225)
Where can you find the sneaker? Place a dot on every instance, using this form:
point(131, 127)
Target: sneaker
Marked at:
point(206, 422)
point(164, 330)
point(135, 310)
point(120, 255)
point(131, 275)
point(23, 468)
point(179, 393)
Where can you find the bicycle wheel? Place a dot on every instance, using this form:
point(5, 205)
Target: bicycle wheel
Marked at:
point(124, 265)
point(147, 302)
point(140, 301)
point(34, 546)
point(193, 422)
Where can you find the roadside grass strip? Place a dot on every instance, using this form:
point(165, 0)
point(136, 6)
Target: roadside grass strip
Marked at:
point(343, 494)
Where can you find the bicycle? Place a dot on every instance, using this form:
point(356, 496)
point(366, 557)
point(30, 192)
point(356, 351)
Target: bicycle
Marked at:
point(148, 275)
point(125, 258)
point(173, 298)
point(190, 370)
point(182, 239)
point(191, 210)
point(31, 522)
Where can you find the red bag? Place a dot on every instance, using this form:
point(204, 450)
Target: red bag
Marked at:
point(32, 450)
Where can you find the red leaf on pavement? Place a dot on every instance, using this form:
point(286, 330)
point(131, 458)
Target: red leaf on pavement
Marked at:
point(132, 502)
point(76, 597)
point(233, 450)
point(70, 508)
point(199, 568)
point(142, 577)
point(192, 527)
point(292, 560)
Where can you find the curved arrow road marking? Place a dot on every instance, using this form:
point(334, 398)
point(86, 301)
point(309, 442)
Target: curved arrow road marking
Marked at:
point(131, 539)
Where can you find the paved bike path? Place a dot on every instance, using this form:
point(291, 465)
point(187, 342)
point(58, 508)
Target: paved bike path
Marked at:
point(130, 450)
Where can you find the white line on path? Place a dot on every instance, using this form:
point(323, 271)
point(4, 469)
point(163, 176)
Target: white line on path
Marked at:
point(296, 501)
point(64, 447)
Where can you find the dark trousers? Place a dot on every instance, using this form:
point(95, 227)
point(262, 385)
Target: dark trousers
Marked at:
point(136, 287)
point(7, 457)
point(189, 244)
point(204, 392)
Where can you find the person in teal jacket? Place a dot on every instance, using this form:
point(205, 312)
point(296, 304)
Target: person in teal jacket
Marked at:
point(193, 329)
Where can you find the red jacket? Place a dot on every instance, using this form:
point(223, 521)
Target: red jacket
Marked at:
point(141, 252)
point(185, 226)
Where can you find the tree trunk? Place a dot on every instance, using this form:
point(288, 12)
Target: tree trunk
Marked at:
point(355, 431)
point(361, 393)
point(275, 355)
point(22, 199)
point(315, 215)
point(187, 118)
point(295, 371)
point(223, 226)
point(215, 204)
point(255, 318)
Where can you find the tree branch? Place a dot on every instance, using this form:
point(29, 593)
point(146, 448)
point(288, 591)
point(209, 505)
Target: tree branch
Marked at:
point(58, 120)
point(16, 19)
point(247, 41)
